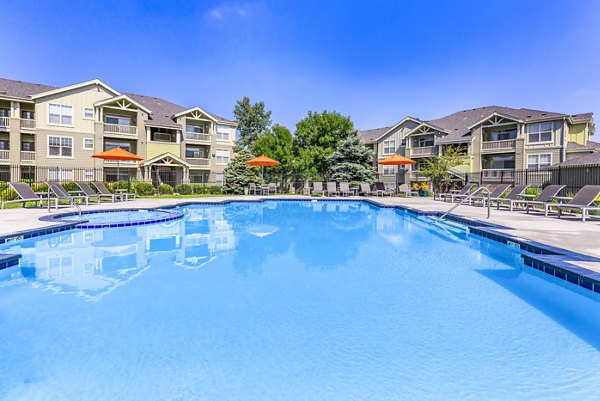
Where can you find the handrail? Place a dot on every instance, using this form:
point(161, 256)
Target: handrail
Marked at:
point(468, 198)
point(69, 197)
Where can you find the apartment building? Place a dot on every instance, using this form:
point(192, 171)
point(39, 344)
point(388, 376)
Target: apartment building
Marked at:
point(58, 129)
point(497, 141)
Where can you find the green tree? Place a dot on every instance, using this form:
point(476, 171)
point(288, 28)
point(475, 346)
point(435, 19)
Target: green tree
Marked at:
point(238, 174)
point(252, 120)
point(352, 162)
point(438, 168)
point(316, 138)
point(276, 143)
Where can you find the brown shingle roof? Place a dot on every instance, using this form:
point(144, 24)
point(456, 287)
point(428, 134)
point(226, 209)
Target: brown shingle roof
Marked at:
point(371, 135)
point(589, 159)
point(20, 89)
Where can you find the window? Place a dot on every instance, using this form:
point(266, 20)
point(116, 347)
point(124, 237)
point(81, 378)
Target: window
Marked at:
point(222, 133)
point(197, 129)
point(27, 173)
point(4, 144)
point(88, 175)
point(108, 145)
point(88, 113)
point(60, 146)
point(194, 153)
point(27, 115)
point(389, 147)
point(219, 178)
point(4, 112)
point(424, 142)
point(541, 132)
point(403, 143)
point(389, 170)
point(222, 156)
point(502, 135)
point(28, 146)
point(60, 114)
point(118, 120)
point(60, 174)
point(88, 143)
point(539, 162)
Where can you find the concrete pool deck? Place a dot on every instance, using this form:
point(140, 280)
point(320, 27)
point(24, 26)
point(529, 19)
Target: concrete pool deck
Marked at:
point(568, 233)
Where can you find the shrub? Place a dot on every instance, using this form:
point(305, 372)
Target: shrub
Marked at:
point(213, 189)
point(546, 183)
point(165, 189)
point(71, 187)
point(143, 188)
point(198, 188)
point(532, 191)
point(183, 189)
point(43, 187)
point(7, 194)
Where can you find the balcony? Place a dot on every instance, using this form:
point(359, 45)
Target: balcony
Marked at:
point(198, 162)
point(4, 154)
point(120, 129)
point(27, 157)
point(27, 123)
point(498, 146)
point(4, 123)
point(423, 151)
point(163, 137)
point(198, 137)
point(121, 163)
point(497, 175)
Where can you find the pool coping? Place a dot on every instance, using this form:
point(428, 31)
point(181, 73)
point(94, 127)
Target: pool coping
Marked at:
point(545, 258)
point(83, 224)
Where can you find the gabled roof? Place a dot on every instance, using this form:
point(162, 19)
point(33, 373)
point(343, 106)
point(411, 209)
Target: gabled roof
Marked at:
point(122, 97)
point(177, 159)
point(76, 86)
point(373, 135)
point(589, 159)
point(427, 124)
point(20, 89)
point(581, 118)
point(590, 146)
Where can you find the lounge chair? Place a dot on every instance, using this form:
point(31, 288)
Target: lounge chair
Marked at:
point(332, 188)
point(271, 188)
point(62, 195)
point(105, 192)
point(365, 189)
point(380, 189)
point(26, 194)
point(317, 189)
point(405, 190)
point(582, 201)
point(87, 190)
point(544, 197)
point(512, 197)
point(460, 194)
point(495, 194)
point(345, 189)
point(253, 189)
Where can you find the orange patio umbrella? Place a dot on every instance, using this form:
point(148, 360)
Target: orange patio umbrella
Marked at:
point(117, 154)
point(397, 160)
point(262, 161)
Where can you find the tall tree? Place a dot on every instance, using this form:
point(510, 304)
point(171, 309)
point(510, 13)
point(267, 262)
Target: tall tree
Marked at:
point(276, 143)
point(252, 120)
point(352, 161)
point(317, 136)
point(238, 174)
point(438, 168)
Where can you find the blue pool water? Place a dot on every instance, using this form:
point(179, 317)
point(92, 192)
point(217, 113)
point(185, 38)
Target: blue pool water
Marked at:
point(118, 216)
point(290, 301)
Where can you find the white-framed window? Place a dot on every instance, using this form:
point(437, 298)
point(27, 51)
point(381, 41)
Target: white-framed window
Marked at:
point(403, 143)
point(222, 156)
point(60, 146)
point(389, 147)
point(219, 178)
point(425, 141)
point(541, 132)
point(88, 143)
point(222, 133)
point(60, 174)
point(196, 129)
point(539, 162)
point(88, 113)
point(88, 175)
point(389, 170)
point(60, 114)
point(117, 120)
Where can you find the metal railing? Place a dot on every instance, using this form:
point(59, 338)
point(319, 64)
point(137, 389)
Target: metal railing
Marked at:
point(27, 123)
point(508, 144)
point(4, 122)
point(120, 129)
point(198, 161)
point(163, 137)
point(468, 198)
point(27, 156)
point(422, 151)
point(193, 136)
point(4, 154)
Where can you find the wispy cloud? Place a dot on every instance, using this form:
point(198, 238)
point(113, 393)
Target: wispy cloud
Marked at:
point(235, 10)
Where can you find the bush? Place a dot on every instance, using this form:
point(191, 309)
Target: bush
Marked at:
point(546, 183)
point(143, 188)
point(198, 188)
point(71, 187)
point(43, 187)
point(213, 189)
point(532, 191)
point(165, 189)
point(183, 189)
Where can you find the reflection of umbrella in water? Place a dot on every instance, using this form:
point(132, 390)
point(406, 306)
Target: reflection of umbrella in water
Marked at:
point(261, 230)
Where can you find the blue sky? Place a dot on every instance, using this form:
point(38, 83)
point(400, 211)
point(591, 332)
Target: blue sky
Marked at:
point(375, 61)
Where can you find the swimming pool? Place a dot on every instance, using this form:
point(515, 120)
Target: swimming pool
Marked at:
point(290, 300)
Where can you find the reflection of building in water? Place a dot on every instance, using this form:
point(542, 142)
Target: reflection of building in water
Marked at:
point(390, 227)
point(206, 234)
point(88, 264)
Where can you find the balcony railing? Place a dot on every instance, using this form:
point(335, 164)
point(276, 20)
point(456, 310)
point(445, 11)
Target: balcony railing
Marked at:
point(120, 162)
point(163, 137)
point(4, 154)
point(508, 144)
point(423, 151)
point(27, 156)
point(194, 136)
point(497, 174)
point(4, 122)
point(120, 129)
point(27, 123)
point(198, 161)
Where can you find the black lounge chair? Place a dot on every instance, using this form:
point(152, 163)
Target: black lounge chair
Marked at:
point(87, 190)
point(544, 197)
point(317, 189)
point(332, 189)
point(511, 198)
point(26, 194)
point(582, 201)
point(460, 195)
point(381, 190)
point(62, 195)
point(122, 196)
point(495, 194)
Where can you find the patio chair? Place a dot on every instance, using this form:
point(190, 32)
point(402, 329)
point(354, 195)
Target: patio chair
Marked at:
point(62, 195)
point(317, 189)
point(105, 192)
point(345, 189)
point(582, 201)
point(332, 188)
point(87, 190)
point(405, 190)
point(271, 188)
point(380, 189)
point(365, 189)
point(460, 194)
point(512, 197)
point(253, 189)
point(544, 197)
point(495, 194)
point(26, 194)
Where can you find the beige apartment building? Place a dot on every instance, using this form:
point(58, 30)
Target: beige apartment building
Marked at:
point(51, 133)
point(497, 141)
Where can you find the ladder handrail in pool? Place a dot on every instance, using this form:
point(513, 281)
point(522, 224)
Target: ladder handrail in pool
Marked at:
point(468, 198)
point(70, 198)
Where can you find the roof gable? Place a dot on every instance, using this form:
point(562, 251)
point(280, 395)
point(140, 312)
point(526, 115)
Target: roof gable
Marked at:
point(95, 82)
point(123, 102)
